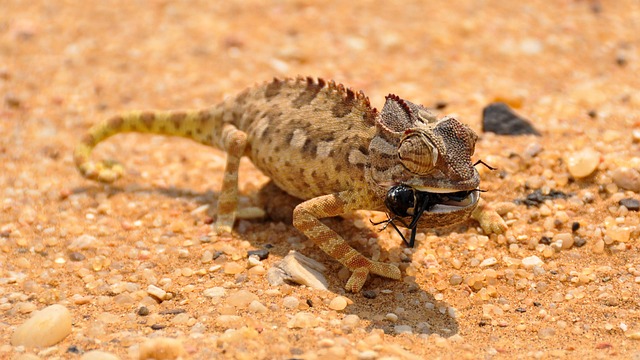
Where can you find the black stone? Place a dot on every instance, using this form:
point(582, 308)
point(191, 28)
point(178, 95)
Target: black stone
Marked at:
point(261, 253)
point(500, 119)
point(630, 203)
point(143, 311)
point(536, 198)
point(158, 326)
point(76, 256)
point(370, 294)
point(521, 310)
point(575, 226)
point(545, 240)
point(73, 349)
point(579, 242)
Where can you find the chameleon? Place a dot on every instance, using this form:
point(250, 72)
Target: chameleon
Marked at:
point(324, 143)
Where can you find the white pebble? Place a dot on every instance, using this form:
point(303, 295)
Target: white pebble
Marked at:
point(338, 303)
point(400, 329)
point(156, 292)
point(583, 163)
point(532, 261)
point(44, 328)
point(290, 302)
point(215, 292)
point(488, 262)
point(391, 317)
point(257, 307)
point(242, 298)
point(302, 320)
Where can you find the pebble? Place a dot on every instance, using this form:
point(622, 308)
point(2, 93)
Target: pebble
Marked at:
point(583, 163)
point(532, 261)
point(233, 268)
point(546, 333)
point(241, 299)
point(627, 178)
point(299, 269)
point(216, 291)
point(44, 328)
point(257, 307)
point(98, 355)
point(83, 242)
point(290, 302)
point(156, 292)
point(488, 262)
point(500, 119)
point(403, 329)
point(338, 303)
point(162, 349)
point(262, 254)
point(302, 320)
point(630, 203)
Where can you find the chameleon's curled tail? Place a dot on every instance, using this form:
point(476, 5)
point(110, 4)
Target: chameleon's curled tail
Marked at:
point(201, 126)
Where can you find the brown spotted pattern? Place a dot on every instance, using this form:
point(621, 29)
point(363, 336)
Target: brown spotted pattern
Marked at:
point(318, 141)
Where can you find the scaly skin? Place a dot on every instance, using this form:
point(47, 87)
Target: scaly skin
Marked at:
point(322, 143)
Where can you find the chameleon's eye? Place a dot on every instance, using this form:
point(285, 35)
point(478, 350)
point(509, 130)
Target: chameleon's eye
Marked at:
point(417, 153)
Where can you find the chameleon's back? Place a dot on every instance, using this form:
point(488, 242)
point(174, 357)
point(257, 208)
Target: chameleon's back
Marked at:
point(310, 137)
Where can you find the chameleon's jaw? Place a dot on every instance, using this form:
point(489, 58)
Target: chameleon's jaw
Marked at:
point(448, 205)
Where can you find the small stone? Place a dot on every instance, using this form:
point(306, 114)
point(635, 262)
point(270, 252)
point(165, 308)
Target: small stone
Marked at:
point(300, 269)
point(257, 307)
point(488, 262)
point(338, 303)
point(241, 299)
point(630, 203)
point(633, 335)
point(76, 256)
point(98, 355)
point(579, 242)
point(351, 321)
point(233, 268)
point(162, 349)
point(367, 355)
point(403, 329)
point(214, 292)
point(143, 311)
point(598, 247)
point(44, 328)
point(83, 242)
point(455, 279)
point(566, 239)
point(583, 163)
point(290, 302)
point(575, 226)
point(391, 317)
point(532, 261)
point(500, 119)
point(370, 294)
point(302, 320)
point(156, 292)
point(626, 178)
point(262, 254)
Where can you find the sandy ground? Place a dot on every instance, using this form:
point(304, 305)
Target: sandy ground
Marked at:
point(570, 67)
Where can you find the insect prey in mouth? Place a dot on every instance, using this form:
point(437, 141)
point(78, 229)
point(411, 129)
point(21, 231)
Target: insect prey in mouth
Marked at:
point(404, 201)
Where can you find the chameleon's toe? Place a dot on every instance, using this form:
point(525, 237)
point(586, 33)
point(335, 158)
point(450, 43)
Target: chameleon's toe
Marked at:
point(106, 171)
point(387, 270)
point(492, 223)
point(357, 279)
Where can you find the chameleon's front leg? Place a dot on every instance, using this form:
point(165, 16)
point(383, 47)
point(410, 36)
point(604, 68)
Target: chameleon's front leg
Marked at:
point(234, 143)
point(306, 219)
point(490, 221)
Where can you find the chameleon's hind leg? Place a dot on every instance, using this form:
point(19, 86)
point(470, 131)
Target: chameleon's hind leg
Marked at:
point(234, 143)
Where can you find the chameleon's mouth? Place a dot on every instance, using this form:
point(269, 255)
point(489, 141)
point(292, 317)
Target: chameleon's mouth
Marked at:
point(450, 202)
point(438, 207)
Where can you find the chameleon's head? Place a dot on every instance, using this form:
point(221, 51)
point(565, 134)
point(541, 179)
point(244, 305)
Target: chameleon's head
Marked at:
point(414, 148)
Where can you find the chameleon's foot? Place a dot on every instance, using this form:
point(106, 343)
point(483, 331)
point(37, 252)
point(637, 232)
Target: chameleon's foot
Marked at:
point(104, 171)
point(223, 225)
point(359, 275)
point(490, 221)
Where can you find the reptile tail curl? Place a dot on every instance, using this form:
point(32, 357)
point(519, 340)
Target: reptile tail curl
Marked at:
point(196, 125)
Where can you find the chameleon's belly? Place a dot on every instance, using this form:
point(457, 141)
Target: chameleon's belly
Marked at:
point(307, 162)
